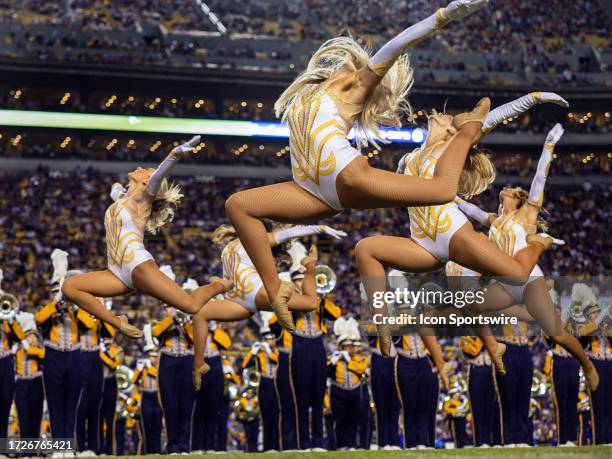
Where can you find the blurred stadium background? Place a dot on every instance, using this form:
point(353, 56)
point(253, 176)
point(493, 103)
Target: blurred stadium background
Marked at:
point(228, 60)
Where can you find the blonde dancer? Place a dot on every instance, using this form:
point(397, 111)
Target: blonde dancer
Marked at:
point(147, 204)
point(442, 233)
point(342, 88)
point(246, 295)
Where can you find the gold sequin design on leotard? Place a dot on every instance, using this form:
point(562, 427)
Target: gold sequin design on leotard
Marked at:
point(310, 163)
point(118, 242)
point(506, 230)
point(239, 275)
point(427, 221)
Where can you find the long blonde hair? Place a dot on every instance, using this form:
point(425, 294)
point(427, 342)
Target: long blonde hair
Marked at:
point(384, 106)
point(165, 202)
point(477, 174)
point(224, 235)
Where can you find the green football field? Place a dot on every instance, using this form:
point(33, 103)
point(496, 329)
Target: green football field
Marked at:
point(507, 453)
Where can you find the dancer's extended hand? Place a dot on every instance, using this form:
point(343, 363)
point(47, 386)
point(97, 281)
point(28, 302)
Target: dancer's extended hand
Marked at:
point(461, 8)
point(336, 234)
point(550, 98)
point(186, 148)
point(555, 134)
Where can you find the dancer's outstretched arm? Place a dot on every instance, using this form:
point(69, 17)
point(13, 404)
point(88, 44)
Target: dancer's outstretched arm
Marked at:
point(519, 106)
point(384, 59)
point(475, 213)
point(536, 192)
point(164, 169)
point(294, 232)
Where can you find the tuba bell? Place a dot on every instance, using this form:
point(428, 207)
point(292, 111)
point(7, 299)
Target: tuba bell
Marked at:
point(124, 379)
point(8, 306)
point(325, 279)
point(252, 378)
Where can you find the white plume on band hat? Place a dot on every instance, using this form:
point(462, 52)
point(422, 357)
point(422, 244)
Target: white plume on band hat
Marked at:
point(266, 317)
point(1, 279)
point(59, 260)
point(26, 322)
point(347, 329)
point(190, 284)
point(583, 294)
point(148, 338)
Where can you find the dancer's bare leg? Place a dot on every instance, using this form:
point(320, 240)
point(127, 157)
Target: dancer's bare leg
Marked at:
point(374, 254)
point(282, 202)
point(301, 302)
point(360, 186)
point(541, 307)
point(473, 250)
point(85, 289)
point(221, 311)
point(148, 279)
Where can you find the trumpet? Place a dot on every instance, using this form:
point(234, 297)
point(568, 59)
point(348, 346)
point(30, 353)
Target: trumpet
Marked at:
point(252, 378)
point(9, 306)
point(325, 279)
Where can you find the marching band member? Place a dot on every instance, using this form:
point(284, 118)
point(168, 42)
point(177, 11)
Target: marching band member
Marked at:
point(455, 407)
point(176, 395)
point(515, 386)
point(145, 378)
point(111, 356)
point(61, 366)
point(29, 393)
point(414, 374)
point(90, 402)
point(10, 333)
point(563, 371)
point(600, 351)
point(348, 372)
point(264, 356)
point(482, 393)
point(248, 414)
point(585, 433)
point(209, 402)
point(284, 389)
point(386, 402)
point(309, 360)
point(232, 378)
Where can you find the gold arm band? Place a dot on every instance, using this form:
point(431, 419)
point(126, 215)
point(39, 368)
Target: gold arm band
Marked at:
point(536, 96)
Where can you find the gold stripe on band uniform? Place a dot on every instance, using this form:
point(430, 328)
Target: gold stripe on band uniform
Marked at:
point(303, 138)
point(240, 277)
point(425, 222)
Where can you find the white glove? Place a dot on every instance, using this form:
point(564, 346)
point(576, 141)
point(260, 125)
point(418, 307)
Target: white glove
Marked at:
point(346, 356)
point(266, 347)
point(116, 191)
point(461, 8)
point(102, 346)
point(554, 135)
point(59, 259)
point(148, 363)
point(25, 344)
point(550, 98)
point(336, 234)
point(186, 148)
point(337, 355)
point(255, 348)
point(140, 365)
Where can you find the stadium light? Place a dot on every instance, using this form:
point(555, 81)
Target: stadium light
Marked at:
point(167, 125)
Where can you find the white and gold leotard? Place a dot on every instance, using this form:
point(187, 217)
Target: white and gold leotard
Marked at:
point(238, 267)
point(319, 145)
point(509, 234)
point(432, 227)
point(124, 241)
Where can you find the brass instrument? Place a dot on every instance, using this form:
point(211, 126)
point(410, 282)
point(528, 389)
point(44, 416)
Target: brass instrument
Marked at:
point(246, 412)
point(539, 384)
point(124, 379)
point(325, 279)
point(9, 305)
point(252, 378)
point(181, 318)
